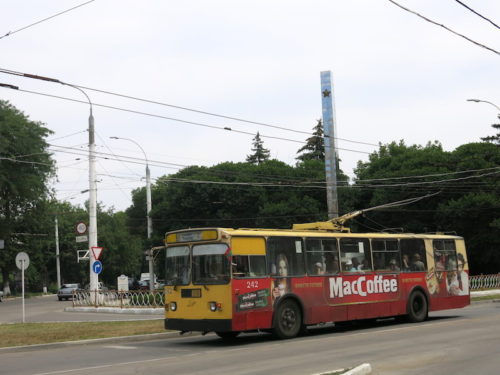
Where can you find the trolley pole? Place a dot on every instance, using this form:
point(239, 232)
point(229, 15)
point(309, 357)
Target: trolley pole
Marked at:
point(330, 133)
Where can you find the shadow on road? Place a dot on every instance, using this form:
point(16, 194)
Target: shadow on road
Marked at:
point(213, 341)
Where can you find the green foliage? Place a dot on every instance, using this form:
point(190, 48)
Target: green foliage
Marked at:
point(271, 194)
point(260, 154)
point(314, 149)
point(467, 203)
point(123, 253)
point(25, 170)
point(495, 139)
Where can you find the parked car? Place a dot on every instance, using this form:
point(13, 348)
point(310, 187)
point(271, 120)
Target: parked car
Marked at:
point(66, 291)
point(1, 295)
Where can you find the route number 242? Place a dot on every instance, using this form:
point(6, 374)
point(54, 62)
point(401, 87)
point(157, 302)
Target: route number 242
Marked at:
point(252, 284)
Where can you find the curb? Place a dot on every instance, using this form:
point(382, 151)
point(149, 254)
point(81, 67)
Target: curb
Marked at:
point(363, 369)
point(116, 310)
point(64, 344)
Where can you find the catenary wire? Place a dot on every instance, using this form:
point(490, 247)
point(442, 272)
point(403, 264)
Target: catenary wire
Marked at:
point(445, 27)
point(225, 128)
point(16, 73)
point(479, 14)
point(45, 19)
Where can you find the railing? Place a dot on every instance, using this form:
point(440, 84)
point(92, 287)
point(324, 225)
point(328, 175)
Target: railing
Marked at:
point(481, 282)
point(114, 298)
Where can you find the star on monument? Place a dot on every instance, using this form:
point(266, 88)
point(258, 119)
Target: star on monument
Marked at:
point(326, 93)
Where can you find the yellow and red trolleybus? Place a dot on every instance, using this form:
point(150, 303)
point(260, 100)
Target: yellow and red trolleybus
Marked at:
point(241, 280)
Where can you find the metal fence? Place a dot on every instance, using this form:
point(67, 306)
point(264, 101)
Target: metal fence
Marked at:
point(481, 282)
point(114, 298)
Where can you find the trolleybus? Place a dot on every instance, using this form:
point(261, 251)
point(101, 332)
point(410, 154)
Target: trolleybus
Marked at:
point(230, 281)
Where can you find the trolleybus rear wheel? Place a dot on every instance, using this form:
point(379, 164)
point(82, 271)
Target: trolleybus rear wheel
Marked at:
point(287, 320)
point(417, 307)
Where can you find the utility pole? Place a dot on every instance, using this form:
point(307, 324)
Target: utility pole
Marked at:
point(329, 130)
point(92, 180)
point(149, 252)
point(58, 262)
point(94, 277)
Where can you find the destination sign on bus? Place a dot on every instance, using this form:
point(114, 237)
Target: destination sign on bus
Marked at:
point(192, 236)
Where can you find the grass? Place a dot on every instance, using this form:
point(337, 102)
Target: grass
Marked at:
point(44, 333)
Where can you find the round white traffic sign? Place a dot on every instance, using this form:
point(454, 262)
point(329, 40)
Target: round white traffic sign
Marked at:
point(81, 228)
point(22, 261)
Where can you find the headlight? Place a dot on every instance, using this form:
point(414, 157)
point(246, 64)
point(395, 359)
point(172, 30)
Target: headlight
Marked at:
point(214, 306)
point(173, 306)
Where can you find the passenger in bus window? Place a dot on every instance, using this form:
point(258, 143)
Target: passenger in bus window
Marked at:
point(417, 264)
point(280, 285)
point(335, 264)
point(393, 266)
point(406, 263)
point(319, 269)
point(355, 264)
point(440, 260)
point(365, 265)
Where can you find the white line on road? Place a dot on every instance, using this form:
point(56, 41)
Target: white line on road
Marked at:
point(429, 324)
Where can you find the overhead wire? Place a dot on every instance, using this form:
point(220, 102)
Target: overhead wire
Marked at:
point(478, 14)
point(444, 27)
point(45, 19)
point(16, 73)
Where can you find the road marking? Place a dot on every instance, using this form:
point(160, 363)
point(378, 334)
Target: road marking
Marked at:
point(428, 324)
point(121, 347)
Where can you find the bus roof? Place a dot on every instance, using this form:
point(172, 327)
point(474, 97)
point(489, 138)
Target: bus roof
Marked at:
point(265, 232)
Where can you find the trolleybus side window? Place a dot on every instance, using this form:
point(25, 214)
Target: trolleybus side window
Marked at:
point(413, 255)
point(285, 256)
point(386, 256)
point(249, 266)
point(445, 255)
point(322, 256)
point(355, 254)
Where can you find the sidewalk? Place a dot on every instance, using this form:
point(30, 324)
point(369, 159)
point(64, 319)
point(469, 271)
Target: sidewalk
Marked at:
point(482, 293)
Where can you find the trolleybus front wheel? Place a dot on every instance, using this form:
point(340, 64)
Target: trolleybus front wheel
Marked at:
point(287, 320)
point(417, 307)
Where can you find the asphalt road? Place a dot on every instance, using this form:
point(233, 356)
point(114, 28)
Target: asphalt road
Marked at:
point(465, 341)
point(49, 309)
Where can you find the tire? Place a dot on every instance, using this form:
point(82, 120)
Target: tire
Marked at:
point(287, 322)
point(59, 298)
point(227, 336)
point(418, 308)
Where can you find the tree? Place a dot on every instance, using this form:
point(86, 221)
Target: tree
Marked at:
point(495, 139)
point(314, 149)
point(468, 200)
point(25, 169)
point(260, 154)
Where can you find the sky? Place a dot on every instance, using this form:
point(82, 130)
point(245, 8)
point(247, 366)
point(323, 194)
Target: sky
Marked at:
point(396, 77)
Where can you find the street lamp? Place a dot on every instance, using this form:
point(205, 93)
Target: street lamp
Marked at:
point(148, 209)
point(484, 101)
point(93, 278)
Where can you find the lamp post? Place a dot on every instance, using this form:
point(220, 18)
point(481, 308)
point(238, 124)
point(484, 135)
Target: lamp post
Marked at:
point(93, 279)
point(484, 101)
point(148, 209)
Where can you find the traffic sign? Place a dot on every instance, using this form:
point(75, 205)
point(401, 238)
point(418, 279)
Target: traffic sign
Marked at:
point(22, 261)
point(97, 267)
point(81, 228)
point(97, 252)
point(82, 238)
